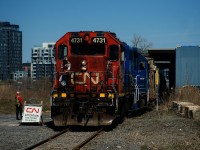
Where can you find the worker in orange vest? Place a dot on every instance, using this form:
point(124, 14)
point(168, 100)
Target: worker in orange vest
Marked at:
point(19, 105)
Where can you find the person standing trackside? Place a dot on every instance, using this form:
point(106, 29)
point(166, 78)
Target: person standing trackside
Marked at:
point(19, 105)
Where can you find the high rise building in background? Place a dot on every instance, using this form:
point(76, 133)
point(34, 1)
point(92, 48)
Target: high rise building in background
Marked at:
point(42, 61)
point(10, 50)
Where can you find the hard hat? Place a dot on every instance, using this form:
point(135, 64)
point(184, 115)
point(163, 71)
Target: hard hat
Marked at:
point(17, 92)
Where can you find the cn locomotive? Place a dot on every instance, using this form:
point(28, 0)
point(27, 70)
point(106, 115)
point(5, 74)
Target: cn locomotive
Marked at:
point(98, 79)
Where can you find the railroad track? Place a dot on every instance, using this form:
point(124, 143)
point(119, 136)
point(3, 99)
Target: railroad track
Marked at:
point(87, 140)
point(47, 140)
point(56, 140)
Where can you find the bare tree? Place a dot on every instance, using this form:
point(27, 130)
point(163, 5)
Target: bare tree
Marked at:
point(141, 43)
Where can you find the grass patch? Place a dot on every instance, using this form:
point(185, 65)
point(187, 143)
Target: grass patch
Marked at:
point(7, 106)
point(31, 92)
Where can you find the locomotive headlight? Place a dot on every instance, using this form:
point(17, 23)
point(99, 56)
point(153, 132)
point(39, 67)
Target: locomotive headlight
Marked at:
point(83, 63)
point(63, 83)
point(110, 95)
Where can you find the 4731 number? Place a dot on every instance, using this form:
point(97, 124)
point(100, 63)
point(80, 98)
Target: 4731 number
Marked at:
point(100, 40)
point(76, 40)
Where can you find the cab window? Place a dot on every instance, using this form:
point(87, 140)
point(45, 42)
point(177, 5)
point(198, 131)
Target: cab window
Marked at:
point(113, 52)
point(62, 51)
point(142, 66)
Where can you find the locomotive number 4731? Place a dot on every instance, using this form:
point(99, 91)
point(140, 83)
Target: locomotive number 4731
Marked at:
point(76, 40)
point(99, 40)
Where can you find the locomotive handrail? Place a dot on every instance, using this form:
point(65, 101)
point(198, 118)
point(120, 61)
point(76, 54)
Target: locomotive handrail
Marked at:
point(137, 89)
point(117, 100)
point(134, 83)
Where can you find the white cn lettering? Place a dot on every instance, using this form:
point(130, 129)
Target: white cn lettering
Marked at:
point(86, 76)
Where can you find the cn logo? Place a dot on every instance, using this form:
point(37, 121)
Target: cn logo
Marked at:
point(85, 76)
point(32, 110)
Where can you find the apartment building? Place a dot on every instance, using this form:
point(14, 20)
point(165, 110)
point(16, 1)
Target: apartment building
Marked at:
point(10, 50)
point(42, 61)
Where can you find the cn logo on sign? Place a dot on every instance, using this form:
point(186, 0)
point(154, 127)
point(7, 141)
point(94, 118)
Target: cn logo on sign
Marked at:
point(32, 114)
point(32, 110)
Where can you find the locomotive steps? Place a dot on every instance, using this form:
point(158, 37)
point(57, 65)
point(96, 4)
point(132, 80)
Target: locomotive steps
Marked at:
point(186, 109)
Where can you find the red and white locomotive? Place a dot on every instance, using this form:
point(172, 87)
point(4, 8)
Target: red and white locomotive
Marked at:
point(94, 82)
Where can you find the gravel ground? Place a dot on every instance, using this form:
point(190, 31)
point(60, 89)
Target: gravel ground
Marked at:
point(152, 130)
point(66, 141)
point(14, 136)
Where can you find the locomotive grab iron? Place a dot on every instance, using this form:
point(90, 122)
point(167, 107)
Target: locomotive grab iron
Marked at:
point(98, 79)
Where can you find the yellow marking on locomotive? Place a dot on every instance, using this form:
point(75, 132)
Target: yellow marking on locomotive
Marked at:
point(63, 95)
point(157, 77)
point(102, 95)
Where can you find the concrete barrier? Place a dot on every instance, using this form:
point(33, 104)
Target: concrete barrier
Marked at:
point(186, 109)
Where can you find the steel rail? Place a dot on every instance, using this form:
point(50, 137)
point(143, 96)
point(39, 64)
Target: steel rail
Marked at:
point(78, 147)
point(46, 140)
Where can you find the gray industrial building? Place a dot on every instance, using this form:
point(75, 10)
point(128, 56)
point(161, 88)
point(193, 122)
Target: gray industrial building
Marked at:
point(188, 66)
point(10, 50)
point(165, 60)
point(178, 66)
point(43, 61)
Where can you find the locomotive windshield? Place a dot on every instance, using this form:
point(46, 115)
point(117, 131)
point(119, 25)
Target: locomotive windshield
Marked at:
point(88, 49)
point(62, 51)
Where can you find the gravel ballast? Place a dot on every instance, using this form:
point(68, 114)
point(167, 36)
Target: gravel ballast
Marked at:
point(152, 130)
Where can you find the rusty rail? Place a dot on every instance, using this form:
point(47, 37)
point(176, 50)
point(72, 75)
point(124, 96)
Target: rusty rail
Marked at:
point(46, 140)
point(78, 147)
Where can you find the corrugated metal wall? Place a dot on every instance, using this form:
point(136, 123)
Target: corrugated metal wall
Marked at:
point(187, 66)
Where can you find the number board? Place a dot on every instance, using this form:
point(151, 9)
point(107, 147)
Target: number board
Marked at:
point(76, 40)
point(99, 40)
